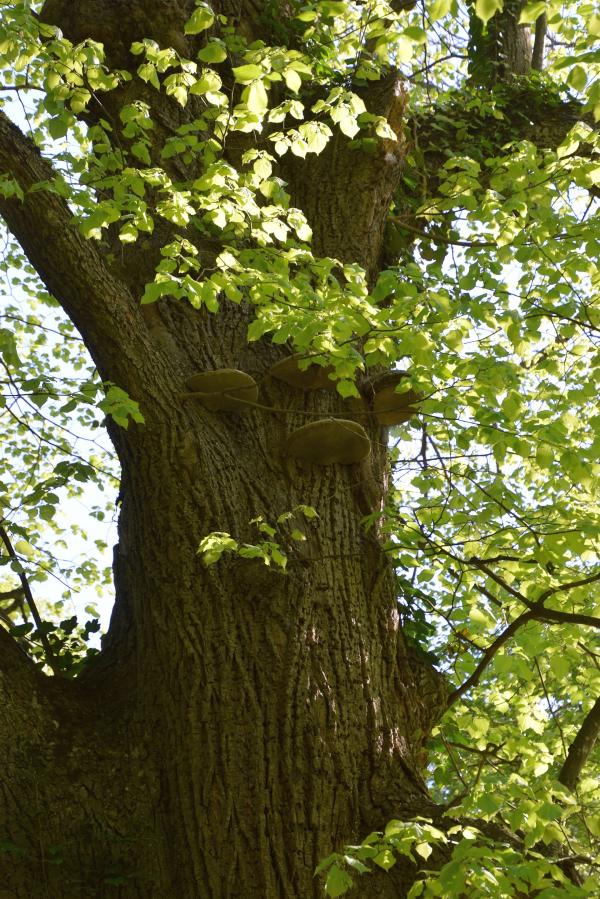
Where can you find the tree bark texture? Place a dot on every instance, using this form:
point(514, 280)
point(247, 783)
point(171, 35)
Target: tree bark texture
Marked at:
point(240, 723)
point(502, 49)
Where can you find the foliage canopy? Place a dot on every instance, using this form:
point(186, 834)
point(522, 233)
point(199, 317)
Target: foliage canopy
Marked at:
point(488, 294)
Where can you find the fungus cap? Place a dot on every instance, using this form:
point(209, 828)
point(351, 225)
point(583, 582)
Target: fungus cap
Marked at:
point(329, 441)
point(314, 377)
point(224, 389)
point(391, 407)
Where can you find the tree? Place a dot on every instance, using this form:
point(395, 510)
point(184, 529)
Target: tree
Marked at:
point(302, 610)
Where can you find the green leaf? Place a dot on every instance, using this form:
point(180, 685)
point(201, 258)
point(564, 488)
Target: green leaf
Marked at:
point(215, 51)
point(356, 864)
point(207, 82)
point(593, 25)
point(544, 455)
point(8, 348)
point(278, 557)
point(577, 78)
point(256, 97)
point(59, 125)
point(201, 19)
point(486, 9)
point(292, 80)
point(119, 405)
point(214, 545)
point(439, 8)
point(308, 511)
point(347, 388)
point(404, 48)
point(24, 548)
point(316, 135)
point(532, 11)
point(385, 859)
point(424, 850)
point(247, 73)
point(338, 881)
point(147, 72)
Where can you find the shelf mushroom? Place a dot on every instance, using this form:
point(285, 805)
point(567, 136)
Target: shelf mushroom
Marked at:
point(328, 441)
point(224, 389)
point(314, 377)
point(391, 407)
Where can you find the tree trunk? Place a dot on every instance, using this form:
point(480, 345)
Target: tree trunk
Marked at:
point(260, 719)
point(241, 722)
point(502, 49)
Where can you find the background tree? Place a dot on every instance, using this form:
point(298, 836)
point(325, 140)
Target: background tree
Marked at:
point(299, 605)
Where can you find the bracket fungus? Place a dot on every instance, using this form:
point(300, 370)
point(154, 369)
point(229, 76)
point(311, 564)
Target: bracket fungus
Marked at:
point(224, 389)
point(314, 377)
point(328, 441)
point(391, 407)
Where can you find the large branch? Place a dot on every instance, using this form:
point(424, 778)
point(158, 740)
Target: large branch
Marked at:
point(581, 747)
point(100, 306)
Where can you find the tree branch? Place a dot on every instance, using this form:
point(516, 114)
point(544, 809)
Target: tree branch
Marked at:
point(580, 748)
point(569, 585)
point(17, 593)
point(488, 655)
point(49, 654)
point(537, 56)
point(99, 305)
point(537, 606)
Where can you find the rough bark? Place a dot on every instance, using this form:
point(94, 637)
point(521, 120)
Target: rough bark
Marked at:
point(502, 50)
point(240, 723)
point(580, 748)
point(537, 54)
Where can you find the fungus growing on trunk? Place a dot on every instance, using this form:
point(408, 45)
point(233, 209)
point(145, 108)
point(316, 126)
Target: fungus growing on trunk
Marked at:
point(391, 407)
point(329, 441)
point(314, 377)
point(224, 389)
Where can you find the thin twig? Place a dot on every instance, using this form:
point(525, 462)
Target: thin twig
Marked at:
point(549, 704)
